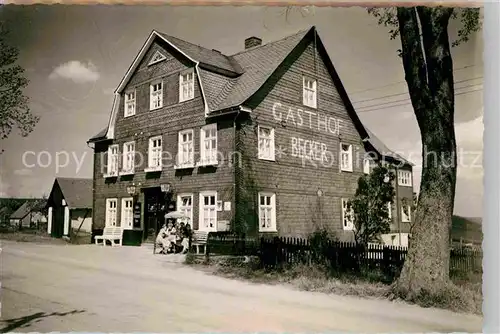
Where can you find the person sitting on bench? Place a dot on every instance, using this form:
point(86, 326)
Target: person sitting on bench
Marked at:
point(184, 236)
point(166, 238)
point(159, 238)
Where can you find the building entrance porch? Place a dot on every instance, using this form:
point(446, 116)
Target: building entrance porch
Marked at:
point(157, 204)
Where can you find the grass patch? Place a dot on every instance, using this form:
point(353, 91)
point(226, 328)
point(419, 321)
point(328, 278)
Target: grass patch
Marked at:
point(80, 238)
point(459, 296)
point(31, 236)
point(464, 295)
point(41, 236)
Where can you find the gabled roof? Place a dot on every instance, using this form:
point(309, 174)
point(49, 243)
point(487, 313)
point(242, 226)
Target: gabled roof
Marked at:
point(76, 192)
point(211, 59)
point(31, 205)
point(258, 63)
point(225, 81)
point(21, 212)
point(228, 82)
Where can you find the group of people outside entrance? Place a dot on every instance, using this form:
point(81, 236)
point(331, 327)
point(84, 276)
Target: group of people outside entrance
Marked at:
point(174, 237)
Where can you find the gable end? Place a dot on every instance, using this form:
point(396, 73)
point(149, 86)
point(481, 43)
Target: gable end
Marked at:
point(311, 37)
point(110, 133)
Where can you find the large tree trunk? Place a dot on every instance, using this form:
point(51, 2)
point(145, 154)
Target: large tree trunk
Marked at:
point(429, 75)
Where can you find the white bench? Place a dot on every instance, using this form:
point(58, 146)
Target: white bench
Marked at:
point(112, 234)
point(200, 239)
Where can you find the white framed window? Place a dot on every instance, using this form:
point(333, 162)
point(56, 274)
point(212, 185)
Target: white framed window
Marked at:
point(156, 95)
point(112, 168)
point(155, 151)
point(128, 164)
point(389, 210)
point(309, 89)
point(186, 86)
point(208, 211)
point(404, 178)
point(267, 212)
point(367, 165)
point(406, 213)
point(345, 157)
point(156, 58)
point(111, 212)
point(185, 154)
point(208, 144)
point(129, 104)
point(266, 143)
point(185, 206)
point(127, 216)
point(347, 216)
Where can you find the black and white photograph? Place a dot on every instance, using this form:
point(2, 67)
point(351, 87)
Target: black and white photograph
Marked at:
point(253, 168)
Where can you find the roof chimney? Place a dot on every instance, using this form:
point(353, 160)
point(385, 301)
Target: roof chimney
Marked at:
point(250, 42)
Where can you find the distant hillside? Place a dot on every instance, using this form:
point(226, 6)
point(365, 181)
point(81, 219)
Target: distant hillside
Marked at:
point(467, 228)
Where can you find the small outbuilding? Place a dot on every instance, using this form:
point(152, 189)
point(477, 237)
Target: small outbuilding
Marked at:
point(69, 206)
point(29, 214)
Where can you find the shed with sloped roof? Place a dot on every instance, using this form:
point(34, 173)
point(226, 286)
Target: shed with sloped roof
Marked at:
point(69, 206)
point(29, 214)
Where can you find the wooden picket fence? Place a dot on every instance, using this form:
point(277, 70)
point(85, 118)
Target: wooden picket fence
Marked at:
point(338, 256)
point(466, 260)
point(342, 257)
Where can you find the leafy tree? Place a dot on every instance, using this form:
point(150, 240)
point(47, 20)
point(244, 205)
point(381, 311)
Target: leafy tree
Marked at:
point(428, 66)
point(14, 109)
point(39, 205)
point(369, 206)
point(8, 206)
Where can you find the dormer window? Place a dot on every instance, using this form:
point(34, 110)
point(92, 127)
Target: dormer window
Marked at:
point(157, 57)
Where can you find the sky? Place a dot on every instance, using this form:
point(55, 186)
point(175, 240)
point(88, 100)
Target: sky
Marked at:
point(75, 57)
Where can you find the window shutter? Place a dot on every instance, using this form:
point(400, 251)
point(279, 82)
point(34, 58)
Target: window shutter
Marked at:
point(272, 144)
point(150, 96)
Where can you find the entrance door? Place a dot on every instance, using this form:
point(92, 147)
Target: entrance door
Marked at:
point(154, 212)
point(57, 222)
point(156, 205)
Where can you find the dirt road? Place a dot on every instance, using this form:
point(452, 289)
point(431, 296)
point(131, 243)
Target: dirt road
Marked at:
point(94, 289)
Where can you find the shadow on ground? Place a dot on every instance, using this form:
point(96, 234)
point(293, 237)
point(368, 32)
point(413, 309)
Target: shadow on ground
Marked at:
point(28, 320)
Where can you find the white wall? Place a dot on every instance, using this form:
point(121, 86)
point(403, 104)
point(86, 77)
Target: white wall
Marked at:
point(393, 239)
point(25, 222)
point(38, 217)
point(49, 220)
point(14, 222)
point(77, 218)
